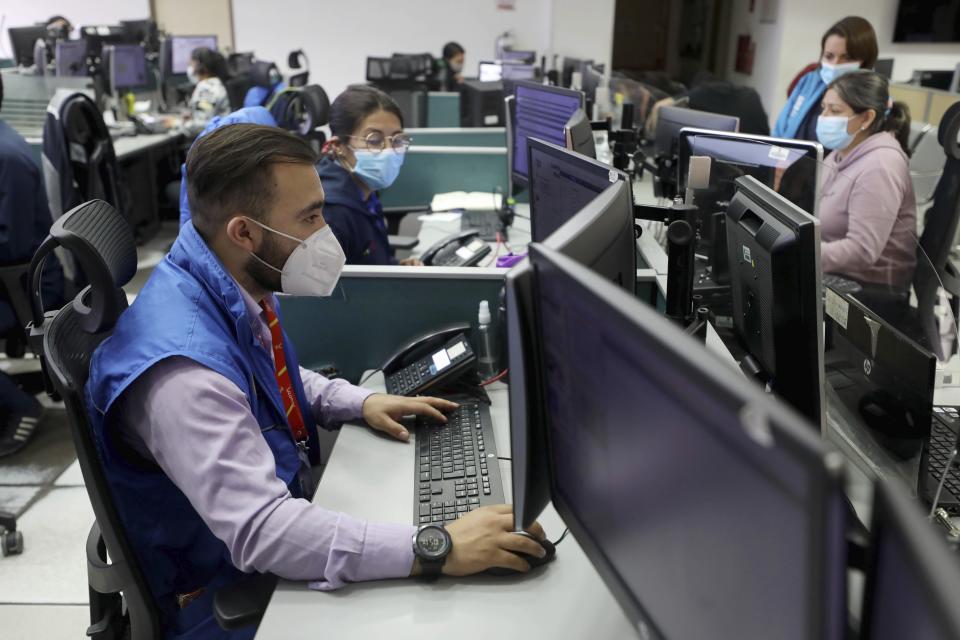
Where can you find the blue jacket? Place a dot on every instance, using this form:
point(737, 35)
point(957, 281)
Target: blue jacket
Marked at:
point(191, 307)
point(247, 115)
point(24, 218)
point(806, 96)
point(359, 225)
point(260, 96)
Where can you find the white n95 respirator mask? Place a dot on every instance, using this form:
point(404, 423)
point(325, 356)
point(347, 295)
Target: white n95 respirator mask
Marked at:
point(314, 267)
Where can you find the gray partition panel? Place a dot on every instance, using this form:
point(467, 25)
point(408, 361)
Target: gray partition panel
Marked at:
point(431, 170)
point(376, 310)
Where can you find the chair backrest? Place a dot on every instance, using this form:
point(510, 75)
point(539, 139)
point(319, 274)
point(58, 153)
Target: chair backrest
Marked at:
point(297, 61)
point(104, 245)
point(926, 160)
point(301, 110)
point(237, 87)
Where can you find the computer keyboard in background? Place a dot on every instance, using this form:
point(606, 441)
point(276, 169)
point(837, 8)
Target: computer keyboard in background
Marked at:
point(456, 469)
point(486, 222)
point(841, 284)
point(943, 439)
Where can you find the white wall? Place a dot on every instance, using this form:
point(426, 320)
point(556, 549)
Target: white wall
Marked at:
point(769, 39)
point(338, 35)
point(583, 29)
point(23, 13)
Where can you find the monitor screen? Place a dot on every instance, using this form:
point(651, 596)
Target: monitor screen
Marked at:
point(490, 71)
point(519, 72)
point(926, 21)
point(71, 58)
point(540, 111)
point(22, 41)
point(561, 184)
point(519, 56)
point(183, 46)
point(670, 120)
point(913, 578)
point(708, 509)
point(128, 66)
point(789, 167)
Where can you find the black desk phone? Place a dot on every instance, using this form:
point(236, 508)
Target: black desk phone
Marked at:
point(464, 249)
point(425, 363)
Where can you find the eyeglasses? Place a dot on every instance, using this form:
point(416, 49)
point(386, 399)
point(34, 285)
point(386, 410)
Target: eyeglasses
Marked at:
point(377, 142)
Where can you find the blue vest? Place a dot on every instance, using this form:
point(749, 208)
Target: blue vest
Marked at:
point(806, 95)
point(190, 307)
point(358, 224)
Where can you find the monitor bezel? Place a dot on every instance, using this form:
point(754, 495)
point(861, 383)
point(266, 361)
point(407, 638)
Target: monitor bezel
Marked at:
point(721, 121)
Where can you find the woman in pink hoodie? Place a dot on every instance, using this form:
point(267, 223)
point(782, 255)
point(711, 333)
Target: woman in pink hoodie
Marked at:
point(868, 213)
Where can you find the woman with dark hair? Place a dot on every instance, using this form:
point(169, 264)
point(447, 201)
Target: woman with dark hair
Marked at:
point(868, 213)
point(364, 155)
point(208, 72)
point(451, 67)
point(848, 45)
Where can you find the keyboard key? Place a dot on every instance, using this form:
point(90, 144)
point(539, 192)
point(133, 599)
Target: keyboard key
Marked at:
point(456, 473)
point(472, 471)
point(424, 509)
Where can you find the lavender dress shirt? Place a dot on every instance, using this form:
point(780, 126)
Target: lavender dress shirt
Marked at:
point(197, 425)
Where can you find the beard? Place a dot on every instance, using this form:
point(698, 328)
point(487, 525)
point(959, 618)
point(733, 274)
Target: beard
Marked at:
point(271, 253)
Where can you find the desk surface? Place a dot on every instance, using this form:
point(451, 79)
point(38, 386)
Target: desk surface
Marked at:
point(370, 476)
point(126, 146)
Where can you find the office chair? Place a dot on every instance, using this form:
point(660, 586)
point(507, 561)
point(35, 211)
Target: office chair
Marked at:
point(940, 228)
point(298, 60)
point(121, 604)
point(927, 159)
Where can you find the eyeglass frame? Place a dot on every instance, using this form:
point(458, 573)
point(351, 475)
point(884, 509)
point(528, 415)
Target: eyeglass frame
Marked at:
point(405, 142)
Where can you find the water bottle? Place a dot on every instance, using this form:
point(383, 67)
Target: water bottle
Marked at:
point(486, 343)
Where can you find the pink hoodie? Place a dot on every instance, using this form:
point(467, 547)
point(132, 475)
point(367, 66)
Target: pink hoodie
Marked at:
point(868, 213)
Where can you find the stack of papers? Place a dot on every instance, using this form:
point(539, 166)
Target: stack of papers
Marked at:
point(474, 200)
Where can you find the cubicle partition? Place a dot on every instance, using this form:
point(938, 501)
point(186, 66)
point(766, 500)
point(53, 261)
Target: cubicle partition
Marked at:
point(428, 170)
point(376, 310)
point(459, 137)
point(443, 109)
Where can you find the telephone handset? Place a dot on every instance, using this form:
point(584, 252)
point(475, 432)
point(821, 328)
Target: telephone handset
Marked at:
point(463, 249)
point(437, 357)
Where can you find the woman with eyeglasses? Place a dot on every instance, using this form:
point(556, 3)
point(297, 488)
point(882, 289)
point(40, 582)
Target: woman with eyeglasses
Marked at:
point(363, 156)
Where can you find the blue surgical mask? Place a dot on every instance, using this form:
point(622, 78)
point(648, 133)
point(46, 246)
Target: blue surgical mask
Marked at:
point(830, 72)
point(377, 170)
point(832, 132)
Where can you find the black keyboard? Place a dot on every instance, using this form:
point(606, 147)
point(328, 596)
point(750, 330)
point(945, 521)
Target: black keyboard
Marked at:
point(943, 439)
point(486, 222)
point(840, 284)
point(456, 465)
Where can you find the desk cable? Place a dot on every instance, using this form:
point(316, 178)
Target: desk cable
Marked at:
point(943, 479)
point(368, 376)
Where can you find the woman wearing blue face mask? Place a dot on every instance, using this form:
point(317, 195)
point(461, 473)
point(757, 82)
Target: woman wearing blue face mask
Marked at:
point(364, 155)
point(848, 45)
point(868, 212)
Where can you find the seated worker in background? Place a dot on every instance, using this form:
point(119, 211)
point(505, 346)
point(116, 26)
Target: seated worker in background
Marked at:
point(364, 155)
point(208, 71)
point(450, 68)
point(24, 223)
point(868, 213)
point(205, 423)
point(708, 93)
point(848, 45)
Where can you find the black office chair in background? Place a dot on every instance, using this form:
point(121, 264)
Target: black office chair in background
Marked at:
point(939, 232)
point(102, 243)
point(297, 60)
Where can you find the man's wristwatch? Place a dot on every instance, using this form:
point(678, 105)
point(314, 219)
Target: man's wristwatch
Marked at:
point(432, 544)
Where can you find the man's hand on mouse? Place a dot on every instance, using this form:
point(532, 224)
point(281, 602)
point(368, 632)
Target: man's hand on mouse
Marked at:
point(484, 538)
point(381, 411)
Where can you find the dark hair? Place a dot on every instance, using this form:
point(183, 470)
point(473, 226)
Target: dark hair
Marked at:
point(54, 18)
point(229, 172)
point(861, 40)
point(210, 63)
point(451, 49)
point(356, 103)
point(868, 90)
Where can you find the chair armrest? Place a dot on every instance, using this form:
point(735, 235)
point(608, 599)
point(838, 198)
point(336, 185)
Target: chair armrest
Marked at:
point(403, 242)
point(243, 603)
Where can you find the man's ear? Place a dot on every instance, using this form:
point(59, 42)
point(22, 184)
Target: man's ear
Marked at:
point(243, 233)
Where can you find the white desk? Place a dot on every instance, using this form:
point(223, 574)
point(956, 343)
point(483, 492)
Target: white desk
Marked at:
point(129, 146)
point(371, 476)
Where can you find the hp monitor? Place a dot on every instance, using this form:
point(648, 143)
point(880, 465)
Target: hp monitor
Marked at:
point(539, 111)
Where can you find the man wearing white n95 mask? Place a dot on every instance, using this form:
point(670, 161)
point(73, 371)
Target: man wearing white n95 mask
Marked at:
point(205, 423)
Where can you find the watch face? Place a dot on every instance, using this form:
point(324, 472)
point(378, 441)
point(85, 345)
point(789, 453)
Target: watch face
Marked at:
point(433, 542)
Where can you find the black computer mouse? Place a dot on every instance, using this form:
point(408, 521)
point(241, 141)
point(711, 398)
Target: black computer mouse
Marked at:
point(532, 560)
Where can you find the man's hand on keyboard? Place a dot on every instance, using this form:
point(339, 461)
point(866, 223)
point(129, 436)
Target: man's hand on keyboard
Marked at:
point(382, 411)
point(483, 539)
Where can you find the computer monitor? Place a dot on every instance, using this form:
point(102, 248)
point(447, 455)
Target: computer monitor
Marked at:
point(912, 577)
point(774, 252)
point(569, 66)
point(100, 35)
point(489, 71)
point(143, 32)
point(126, 65)
point(790, 167)
point(71, 58)
point(670, 120)
point(578, 134)
point(22, 41)
point(592, 77)
point(182, 47)
point(481, 104)
point(518, 71)
point(709, 509)
point(601, 237)
point(539, 111)
point(522, 57)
